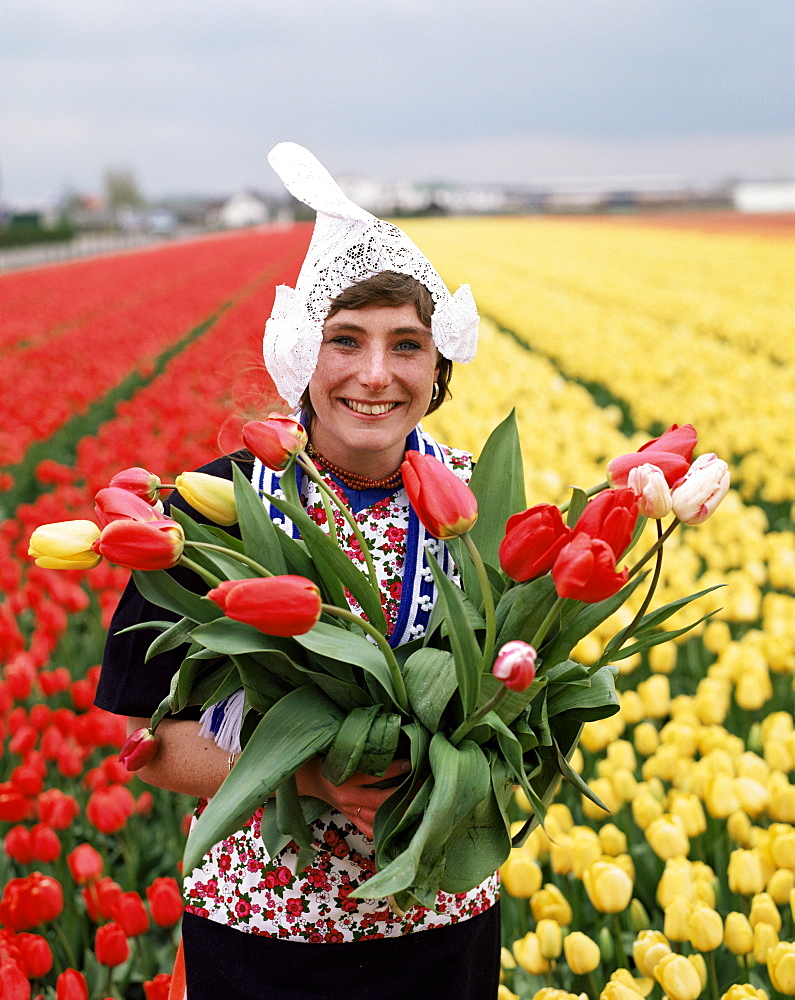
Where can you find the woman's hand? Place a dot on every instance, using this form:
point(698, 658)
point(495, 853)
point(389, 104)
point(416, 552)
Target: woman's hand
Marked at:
point(357, 802)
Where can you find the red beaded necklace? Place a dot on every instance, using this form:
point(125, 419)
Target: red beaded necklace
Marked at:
point(352, 479)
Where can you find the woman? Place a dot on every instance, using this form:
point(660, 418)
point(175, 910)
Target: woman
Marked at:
point(365, 350)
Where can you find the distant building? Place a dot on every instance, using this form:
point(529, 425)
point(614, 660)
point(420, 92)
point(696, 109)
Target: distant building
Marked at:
point(764, 196)
point(244, 208)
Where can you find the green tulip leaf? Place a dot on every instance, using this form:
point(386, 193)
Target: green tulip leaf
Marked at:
point(464, 644)
point(585, 704)
point(650, 639)
point(588, 618)
point(176, 635)
point(577, 504)
point(292, 822)
point(300, 725)
point(412, 793)
point(259, 534)
point(217, 563)
point(272, 837)
point(342, 757)
point(430, 679)
point(523, 608)
point(350, 648)
point(262, 679)
point(336, 569)
point(160, 588)
point(575, 780)
point(381, 744)
point(229, 683)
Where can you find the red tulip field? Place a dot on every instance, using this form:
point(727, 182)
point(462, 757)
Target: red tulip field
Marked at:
point(601, 333)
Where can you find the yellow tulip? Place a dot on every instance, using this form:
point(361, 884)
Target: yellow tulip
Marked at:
point(738, 934)
point(503, 993)
point(689, 809)
point(753, 795)
point(646, 738)
point(612, 840)
point(621, 754)
point(642, 986)
point(550, 938)
point(582, 953)
point(550, 903)
point(765, 938)
point(782, 799)
point(677, 880)
point(527, 952)
point(780, 885)
point(616, 990)
point(744, 991)
point(764, 910)
point(608, 886)
point(521, 876)
point(65, 545)
point(662, 658)
point(720, 796)
point(645, 809)
point(649, 947)
point(678, 977)
point(675, 926)
point(211, 496)
point(705, 926)
point(739, 828)
point(585, 849)
point(783, 850)
point(746, 874)
point(667, 837)
point(781, 967)
point(655, 693)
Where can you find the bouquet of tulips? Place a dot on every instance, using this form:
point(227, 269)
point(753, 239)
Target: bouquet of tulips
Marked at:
point(487, 700)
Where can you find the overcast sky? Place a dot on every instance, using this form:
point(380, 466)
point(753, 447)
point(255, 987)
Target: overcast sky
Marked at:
point(191, 94)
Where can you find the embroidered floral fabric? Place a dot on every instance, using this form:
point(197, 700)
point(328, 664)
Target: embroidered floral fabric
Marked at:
point(241, 886)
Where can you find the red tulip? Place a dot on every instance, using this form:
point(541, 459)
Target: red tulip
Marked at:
point(71, 985)
point(110, 808)
point(44, 900)
point(16, 844)
point(100, 897)
point(13, 804)
point(115, 504)
point(165, 901)
point(14, 984)
point(672, 453)
point(130, 913)
point(585, 570)
point(110, 945)
point(443, 502)
point(142, 545)
point(85, 863)
point(275, 441)
point(36, 955)
point(276, 605)
point(44, 843)
point(138, 481)
point(611, 516)
point(515, 665)
point(679, 440)
point(57, 809)
point(532, 541)
point(139, 749)
point(159, 987)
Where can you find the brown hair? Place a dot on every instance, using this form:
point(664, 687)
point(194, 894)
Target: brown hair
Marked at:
point(389, 288)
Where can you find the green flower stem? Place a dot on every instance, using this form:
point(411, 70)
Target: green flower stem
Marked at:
point(206, 575)
point(547, 623)
point(246, 560)
point(309, 468)
point(70, 955)
point(477, 715)
point(630, 629)
point(655, 548)
point(712, 976)
point(488, 600)
point(397, 677)
point(563, 507)
point(620, 950)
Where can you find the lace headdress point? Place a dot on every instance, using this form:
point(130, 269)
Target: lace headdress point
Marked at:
point(348, 245)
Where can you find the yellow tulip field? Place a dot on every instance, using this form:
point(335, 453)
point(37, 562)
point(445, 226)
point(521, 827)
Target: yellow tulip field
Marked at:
point(601, 336)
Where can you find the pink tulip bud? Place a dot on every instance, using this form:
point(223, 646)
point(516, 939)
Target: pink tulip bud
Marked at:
point(702, 488)
point(139, 748)
point(649, 485)
point(142, 483)
point(515, 665)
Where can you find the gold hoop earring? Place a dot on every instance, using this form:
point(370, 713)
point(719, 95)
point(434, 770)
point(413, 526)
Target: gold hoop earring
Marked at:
point(436, 391)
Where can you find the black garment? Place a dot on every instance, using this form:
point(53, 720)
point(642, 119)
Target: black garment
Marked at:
point(128, 685)
point(458, 962)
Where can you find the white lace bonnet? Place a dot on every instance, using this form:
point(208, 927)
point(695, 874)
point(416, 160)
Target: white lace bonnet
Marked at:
point(348, 245)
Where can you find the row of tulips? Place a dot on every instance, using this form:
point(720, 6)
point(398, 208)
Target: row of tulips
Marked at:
point(584, 301)
point(59, 792)
point(110, 345)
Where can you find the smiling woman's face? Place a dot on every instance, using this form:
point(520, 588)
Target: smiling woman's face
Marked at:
point(372, 385)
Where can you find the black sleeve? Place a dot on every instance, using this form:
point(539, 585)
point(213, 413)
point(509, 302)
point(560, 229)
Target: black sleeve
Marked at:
point(127, 684)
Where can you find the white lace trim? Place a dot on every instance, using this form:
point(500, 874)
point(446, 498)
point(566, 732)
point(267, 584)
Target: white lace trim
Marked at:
point(348, 245)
